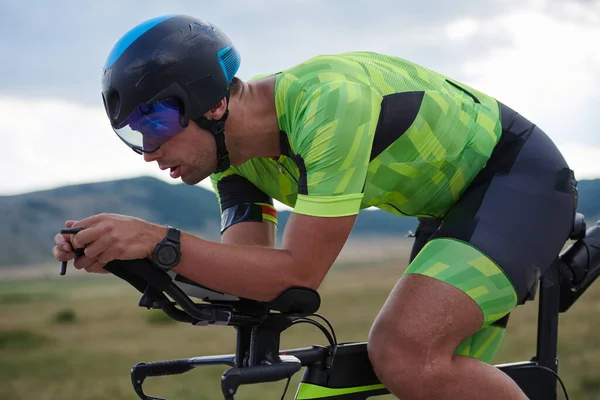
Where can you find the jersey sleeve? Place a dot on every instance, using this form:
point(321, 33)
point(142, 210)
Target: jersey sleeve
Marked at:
point(332, 124)
point(240, 200)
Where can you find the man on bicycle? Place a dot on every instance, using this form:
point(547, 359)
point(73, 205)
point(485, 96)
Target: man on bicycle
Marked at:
point(329, 137)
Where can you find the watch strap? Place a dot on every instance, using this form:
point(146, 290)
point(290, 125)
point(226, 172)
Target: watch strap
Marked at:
point(173, 234)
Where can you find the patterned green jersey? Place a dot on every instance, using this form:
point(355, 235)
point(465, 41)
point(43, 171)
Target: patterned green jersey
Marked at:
point(364, 129)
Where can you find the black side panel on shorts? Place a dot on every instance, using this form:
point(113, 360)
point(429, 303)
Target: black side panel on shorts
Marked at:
point(424, 231)
point(235, 189)
point(520, 209)
point(398, 112)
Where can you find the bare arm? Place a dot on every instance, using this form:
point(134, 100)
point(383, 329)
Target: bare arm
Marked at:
point(260, 234)
point(310, 246)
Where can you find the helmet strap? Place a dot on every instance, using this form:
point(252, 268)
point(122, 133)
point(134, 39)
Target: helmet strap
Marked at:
point(217, 128)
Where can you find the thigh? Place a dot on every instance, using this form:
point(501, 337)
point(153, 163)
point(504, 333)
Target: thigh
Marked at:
point(424, 319)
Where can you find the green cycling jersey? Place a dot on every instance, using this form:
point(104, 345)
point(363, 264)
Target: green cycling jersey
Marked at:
point(366, 130)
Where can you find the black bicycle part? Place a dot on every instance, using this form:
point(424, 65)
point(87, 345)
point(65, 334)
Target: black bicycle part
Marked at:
point(78, 252)
point(341, 366)
point(330, 338)
point(580, 266)
point(259, 326)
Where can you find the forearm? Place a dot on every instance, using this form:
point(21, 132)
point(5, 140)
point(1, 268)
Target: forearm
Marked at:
point(253, 272)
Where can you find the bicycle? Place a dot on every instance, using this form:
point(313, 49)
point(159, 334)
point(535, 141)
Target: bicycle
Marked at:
point(340, 370)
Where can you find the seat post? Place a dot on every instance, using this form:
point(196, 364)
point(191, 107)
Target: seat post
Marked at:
point(264, 342)
point(242, 348)
point(547, 335)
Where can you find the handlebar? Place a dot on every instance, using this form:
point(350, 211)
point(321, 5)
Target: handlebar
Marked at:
point(234, 377)
point(259, 326)
point(291, 361)
point(142, 370)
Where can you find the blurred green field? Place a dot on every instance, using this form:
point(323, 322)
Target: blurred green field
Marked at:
point(76, 337)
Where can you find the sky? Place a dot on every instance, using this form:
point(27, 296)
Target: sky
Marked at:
point(540, 57)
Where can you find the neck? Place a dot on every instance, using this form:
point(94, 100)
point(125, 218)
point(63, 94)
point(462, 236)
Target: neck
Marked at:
point(252, 129)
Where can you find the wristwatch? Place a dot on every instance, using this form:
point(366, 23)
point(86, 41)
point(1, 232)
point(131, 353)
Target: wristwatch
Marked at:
point(167, 253)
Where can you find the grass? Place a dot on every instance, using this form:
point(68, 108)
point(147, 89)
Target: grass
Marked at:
point(66, 316)
point(157, 317)
point(21, 339)
point(77, 337)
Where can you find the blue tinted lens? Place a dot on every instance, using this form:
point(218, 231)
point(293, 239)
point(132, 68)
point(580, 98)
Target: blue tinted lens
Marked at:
point(149, 126)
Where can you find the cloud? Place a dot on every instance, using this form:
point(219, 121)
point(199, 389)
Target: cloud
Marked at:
point(582, 159)
point(57, 49)
point(550, 74)
point(66, 143)
point(538, 56)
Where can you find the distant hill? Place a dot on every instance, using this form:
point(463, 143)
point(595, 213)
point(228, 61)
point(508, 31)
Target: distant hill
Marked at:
point(28, 222)
point(589, 200)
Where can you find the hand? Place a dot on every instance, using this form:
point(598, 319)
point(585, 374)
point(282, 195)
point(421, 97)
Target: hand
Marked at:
point(108, 237)
point(63, 251)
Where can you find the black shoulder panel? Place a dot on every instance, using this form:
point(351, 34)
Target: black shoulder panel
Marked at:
point(235, 189)
point(398, 112)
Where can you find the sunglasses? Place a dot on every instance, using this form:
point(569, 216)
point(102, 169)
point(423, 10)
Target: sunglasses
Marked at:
point(150, 126)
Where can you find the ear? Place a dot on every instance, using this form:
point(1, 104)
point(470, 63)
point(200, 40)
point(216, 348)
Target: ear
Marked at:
point(217, 111)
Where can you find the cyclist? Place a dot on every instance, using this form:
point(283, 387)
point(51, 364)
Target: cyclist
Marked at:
point(329, 137)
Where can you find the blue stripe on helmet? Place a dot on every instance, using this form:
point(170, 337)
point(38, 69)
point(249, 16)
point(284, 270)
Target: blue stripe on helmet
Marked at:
point(131, 37)
point(229, 58)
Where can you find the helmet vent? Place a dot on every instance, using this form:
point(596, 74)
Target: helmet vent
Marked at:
point(229, 58)
point(114, 104)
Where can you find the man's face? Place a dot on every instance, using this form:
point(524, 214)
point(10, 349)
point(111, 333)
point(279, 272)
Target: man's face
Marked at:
point(190, 155)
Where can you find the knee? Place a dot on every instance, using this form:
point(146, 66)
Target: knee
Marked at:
point(407, 363)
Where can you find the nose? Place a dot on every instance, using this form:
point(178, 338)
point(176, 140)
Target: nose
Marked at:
point(149, 157)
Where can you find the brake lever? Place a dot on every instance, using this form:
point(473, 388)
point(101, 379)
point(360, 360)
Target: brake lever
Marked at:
point(78, 252)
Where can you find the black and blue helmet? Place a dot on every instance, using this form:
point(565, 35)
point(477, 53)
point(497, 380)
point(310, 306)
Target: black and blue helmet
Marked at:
point(172, 56)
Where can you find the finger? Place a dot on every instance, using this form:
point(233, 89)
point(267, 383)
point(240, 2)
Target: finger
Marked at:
point(89, 221)
point(65, 241)
point(61, 255)
point(68, 224)
point(99, 247)
point(82, 262)
point(88, 236)
point(111, 253)
point(62, 242)
point(95, 267)
point(102, 270)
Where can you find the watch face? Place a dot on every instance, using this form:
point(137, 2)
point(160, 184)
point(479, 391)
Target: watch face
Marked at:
point(166, 255)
